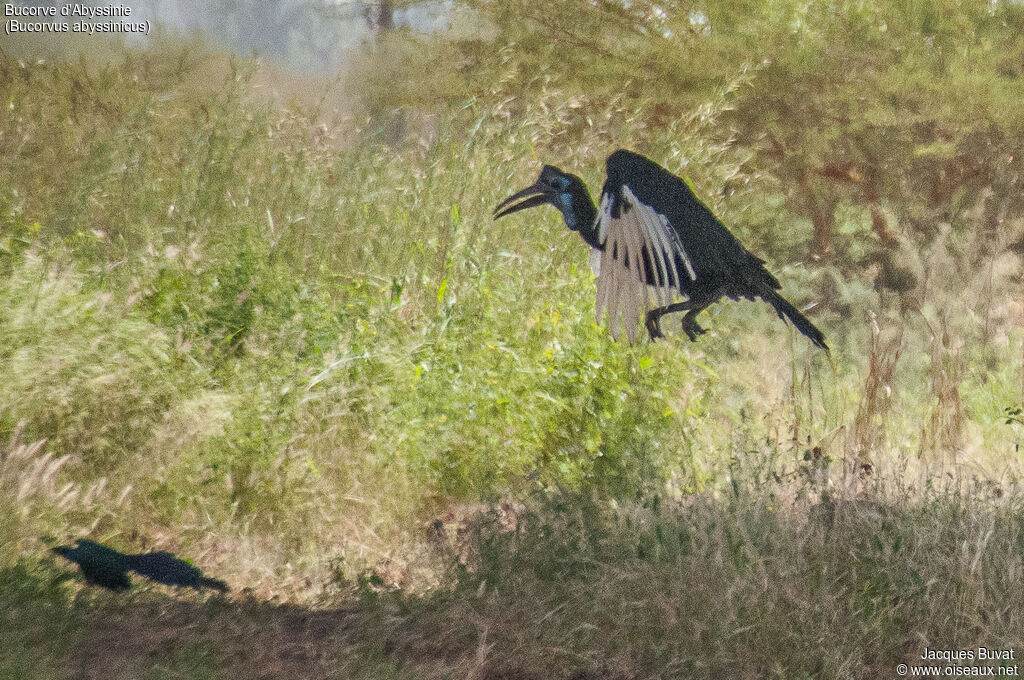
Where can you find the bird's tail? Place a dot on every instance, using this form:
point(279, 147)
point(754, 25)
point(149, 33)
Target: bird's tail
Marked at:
point(787, 311)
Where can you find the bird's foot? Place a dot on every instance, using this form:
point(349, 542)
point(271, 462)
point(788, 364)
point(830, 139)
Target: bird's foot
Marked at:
point(692, 329)
point(653, 325)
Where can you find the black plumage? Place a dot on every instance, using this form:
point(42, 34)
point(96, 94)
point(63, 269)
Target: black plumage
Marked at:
point(651, 237)
point(106, 567)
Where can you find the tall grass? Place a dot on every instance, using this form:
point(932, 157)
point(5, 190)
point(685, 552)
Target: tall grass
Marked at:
point(773, 578)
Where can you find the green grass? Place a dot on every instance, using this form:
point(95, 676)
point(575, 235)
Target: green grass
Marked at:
point(307, 359)
point(41, 621)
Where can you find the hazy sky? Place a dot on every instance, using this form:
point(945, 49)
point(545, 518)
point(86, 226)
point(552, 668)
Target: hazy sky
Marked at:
point(306, 35)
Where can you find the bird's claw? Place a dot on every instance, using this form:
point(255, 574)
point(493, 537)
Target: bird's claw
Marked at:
point(653, 325)
point(692, 329)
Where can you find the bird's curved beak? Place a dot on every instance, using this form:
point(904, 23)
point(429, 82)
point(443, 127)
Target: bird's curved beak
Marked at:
point(538, 194)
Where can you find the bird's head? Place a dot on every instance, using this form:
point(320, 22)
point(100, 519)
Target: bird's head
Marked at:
point(561, 189)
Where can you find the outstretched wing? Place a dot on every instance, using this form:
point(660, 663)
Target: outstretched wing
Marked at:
point(642, 256)
point(654, 232)
point(717, 256)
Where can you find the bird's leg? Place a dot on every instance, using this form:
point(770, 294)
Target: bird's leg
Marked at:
point(690, 325)
point(653, 316)
point(653, 327)
point(653, 323)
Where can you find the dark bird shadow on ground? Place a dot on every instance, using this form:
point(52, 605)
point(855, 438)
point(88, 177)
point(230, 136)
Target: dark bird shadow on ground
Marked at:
point(109, 568)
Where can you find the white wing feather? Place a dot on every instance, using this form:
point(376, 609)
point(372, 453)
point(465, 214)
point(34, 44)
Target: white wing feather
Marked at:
point(622, 290)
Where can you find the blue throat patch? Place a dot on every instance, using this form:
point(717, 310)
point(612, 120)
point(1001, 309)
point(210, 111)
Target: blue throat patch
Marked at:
point(565, 205)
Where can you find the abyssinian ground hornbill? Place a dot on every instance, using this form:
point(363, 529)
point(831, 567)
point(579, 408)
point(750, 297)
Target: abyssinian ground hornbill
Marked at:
point(651, 236)
point(103, 566)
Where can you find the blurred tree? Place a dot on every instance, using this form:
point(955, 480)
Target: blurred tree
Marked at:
point(380, 16)
point(902, 108)
point(309, 35)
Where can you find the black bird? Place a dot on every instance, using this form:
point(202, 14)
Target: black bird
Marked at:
point(651, 232)
point(103, 566)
